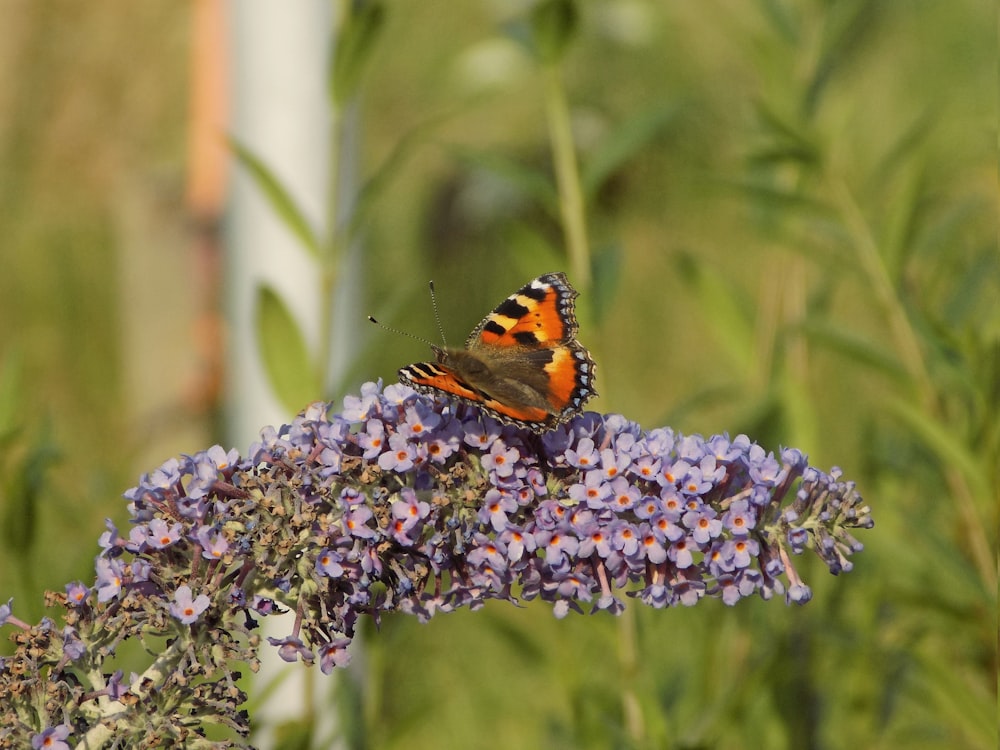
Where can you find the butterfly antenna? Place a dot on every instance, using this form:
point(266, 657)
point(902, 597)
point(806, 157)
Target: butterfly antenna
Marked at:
point(408, 335)
point(437, 317)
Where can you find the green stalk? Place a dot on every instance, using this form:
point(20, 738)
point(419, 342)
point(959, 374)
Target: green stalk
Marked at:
point(571, 203)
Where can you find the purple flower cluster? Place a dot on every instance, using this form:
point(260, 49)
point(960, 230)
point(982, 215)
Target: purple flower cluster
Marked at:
point(422, 505)
point(401, 502)
point(465, 509)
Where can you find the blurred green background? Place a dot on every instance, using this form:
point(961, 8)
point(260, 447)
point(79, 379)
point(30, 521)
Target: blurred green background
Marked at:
point(792, 214)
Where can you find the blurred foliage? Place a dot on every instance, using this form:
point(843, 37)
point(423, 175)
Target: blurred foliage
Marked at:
point(28, 455)
point(84, 125)
point(791, 206)
point(801, 244)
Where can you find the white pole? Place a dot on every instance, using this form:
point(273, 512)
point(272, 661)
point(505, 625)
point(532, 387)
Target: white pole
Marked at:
point(279, 60)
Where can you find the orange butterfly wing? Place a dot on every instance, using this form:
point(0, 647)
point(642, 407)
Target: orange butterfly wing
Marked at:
point(522, 363)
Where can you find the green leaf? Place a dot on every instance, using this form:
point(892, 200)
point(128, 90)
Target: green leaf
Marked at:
point(970, 707)
point(279, 198)
point(296, 734)
point(623, 143)
point(528, 180)
point(285, 356)
point(607, 272)
point(354, 46)
point(948, 446)
point(902, 217)
point(908, 146)
point(855, 347)
point(553, 25)
point(532, 251)
point(22, 494)
point(767, 193)
point(20, 512)
point(847, 27)
point(783, 20)
point(970, 287)
point(377, 183)
point(720, 305)
point(11, 396)
point(785, 141)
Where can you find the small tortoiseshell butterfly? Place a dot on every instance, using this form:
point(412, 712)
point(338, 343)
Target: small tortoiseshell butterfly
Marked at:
point(522, 364)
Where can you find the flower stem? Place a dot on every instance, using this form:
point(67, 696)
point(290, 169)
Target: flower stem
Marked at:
point(571, 204)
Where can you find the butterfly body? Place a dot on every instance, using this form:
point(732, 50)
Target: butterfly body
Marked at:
point(522, 364)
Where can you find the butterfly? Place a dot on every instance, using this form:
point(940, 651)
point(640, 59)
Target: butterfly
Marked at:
point(522, 364)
